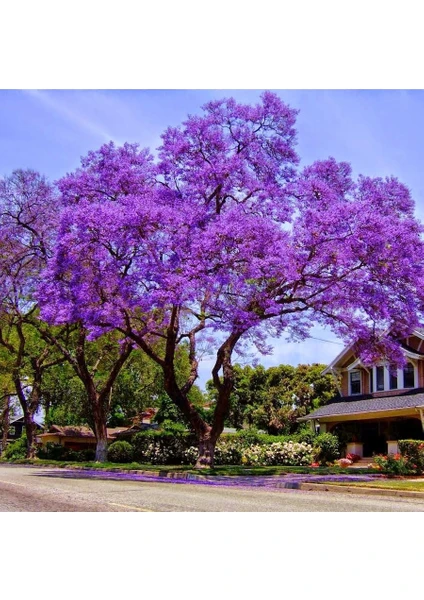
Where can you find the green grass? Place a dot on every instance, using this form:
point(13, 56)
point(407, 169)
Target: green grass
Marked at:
point(408, 485)
point(220, 470)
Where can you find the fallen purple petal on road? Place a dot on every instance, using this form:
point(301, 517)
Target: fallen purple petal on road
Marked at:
point(282, 481)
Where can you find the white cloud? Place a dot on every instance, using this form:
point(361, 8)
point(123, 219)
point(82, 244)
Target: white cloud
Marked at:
point(72, 115)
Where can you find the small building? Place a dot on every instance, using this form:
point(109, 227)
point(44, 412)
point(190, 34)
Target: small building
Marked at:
point(17, 429)
point(75, 438)
point(378, 405)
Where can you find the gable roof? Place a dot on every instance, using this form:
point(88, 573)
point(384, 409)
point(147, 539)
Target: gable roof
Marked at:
point(369, 404)
point(409, 351)
point(21, 420)
point(80, 432)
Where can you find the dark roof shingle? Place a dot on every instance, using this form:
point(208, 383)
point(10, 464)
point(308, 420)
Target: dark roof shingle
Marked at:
point(411, 399)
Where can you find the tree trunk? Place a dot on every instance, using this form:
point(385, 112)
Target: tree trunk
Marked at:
point(30, 428)
point(205, 460)
point(5, 423)
point(101, 450)
point(100, 429)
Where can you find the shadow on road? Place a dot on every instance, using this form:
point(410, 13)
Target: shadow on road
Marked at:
point(288, 481)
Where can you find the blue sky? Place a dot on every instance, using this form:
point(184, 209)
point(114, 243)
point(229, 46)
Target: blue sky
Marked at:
point(379, 132)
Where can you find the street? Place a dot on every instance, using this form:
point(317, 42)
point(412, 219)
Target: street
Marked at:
point(29, 489)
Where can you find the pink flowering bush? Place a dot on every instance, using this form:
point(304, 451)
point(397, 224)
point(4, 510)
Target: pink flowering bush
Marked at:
point(344, 462)
point(393, 464)
point(353, 457)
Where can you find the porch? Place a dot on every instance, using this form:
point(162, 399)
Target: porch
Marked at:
point(372, 424)
point(367, 437)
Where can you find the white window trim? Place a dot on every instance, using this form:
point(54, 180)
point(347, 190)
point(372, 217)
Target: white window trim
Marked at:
point(401, 384)
point(360, 382)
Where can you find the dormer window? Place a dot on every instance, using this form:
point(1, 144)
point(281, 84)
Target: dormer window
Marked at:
point(355, 382)
point(385, 377)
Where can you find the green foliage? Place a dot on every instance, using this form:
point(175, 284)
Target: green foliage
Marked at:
point(248, 436)
point(16, 449)
point(120, 452)
point(53, 451)
point(171, 427)
point(272, 399)
point(162, 447)
point(168, 411)
point(413, 452)
point(305, 434)
point(327, 448)
point(393, 464)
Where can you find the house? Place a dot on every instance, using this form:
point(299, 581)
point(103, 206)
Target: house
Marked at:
point(75, 438)
point(377, 405)
point(17, 429)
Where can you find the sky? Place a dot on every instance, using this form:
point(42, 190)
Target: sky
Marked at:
point(379, 132)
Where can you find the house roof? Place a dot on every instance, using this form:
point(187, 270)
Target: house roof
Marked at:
point(79, 432)
point(367, 403)
point(418, 331)
point(21, 420)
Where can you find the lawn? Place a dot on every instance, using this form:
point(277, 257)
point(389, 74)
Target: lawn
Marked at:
point(407, 485)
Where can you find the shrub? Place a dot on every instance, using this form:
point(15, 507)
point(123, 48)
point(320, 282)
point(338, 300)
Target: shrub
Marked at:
point(393, 464)
point(413, 452)
point(286, 453)
point(53, 451)
point(120, 452)
point(306, 435)
point(228, 452)
point(171, 427)
point(162, 447)
point(249, 436)
point(16, 449)
point(327, 448)
point(344, 462)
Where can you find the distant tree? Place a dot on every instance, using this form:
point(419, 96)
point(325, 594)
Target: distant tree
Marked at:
point(272, 399)
point(29, 210)
point(28, 213)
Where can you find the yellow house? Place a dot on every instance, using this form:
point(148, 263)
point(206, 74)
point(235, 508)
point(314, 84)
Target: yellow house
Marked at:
point(75, 438)
point(377, 405)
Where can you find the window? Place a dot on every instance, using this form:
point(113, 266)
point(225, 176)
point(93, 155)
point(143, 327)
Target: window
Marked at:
point(393, 377)
point(379, 373)
point(12, 430)
point(408, 376)
point(355, 382)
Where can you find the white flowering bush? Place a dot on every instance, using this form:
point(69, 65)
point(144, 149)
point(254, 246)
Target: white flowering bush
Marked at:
point(160, 449)
point(165, 448)
point(286, 453)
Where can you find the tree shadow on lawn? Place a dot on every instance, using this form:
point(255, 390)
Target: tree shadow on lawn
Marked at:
point(289, 481)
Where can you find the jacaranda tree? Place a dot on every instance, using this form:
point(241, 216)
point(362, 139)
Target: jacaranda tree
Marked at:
point(222, 242)
point(29, 210)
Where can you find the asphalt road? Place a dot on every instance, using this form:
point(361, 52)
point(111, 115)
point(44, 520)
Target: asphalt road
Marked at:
point(30, 489)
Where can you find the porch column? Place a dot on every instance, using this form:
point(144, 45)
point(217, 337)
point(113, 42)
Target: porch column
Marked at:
point(421, 411)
